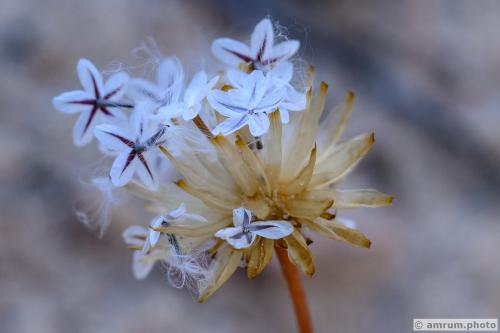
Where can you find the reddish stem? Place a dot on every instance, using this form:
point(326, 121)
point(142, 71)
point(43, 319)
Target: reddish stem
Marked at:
point(297, 293)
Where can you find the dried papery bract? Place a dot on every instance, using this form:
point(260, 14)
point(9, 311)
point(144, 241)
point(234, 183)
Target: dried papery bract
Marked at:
point(255, 171)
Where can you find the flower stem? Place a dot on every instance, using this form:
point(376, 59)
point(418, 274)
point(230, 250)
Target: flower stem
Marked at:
point(297, 293)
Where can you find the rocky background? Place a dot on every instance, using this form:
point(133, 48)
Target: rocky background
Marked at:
point(427, 78)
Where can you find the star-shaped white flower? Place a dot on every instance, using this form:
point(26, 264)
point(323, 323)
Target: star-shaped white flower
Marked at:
point(262, 54)
point(169, 218)
point(97, 102)
point(254, 96)
point(244, 232)
point(167, 89)
point(135, 147)
point(195, 93)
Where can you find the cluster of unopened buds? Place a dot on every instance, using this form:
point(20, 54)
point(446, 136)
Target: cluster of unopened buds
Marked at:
point(236, 164)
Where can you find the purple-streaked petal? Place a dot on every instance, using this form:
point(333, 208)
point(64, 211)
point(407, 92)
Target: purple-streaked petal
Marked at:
point(143, 90)
point(73, 101)
point(231, 52)
point(115, 87)
point(145, 169)
point(236, 237)
point(281, 52)
point(231, 125)
point(271, 229)
point(83, 131)
point(114, 138)
point(123, 168)
point(241, 215)
point(262, 39)
point(258, 124)
point(90, 78)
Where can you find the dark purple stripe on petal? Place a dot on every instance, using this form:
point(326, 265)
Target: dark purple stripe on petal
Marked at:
point(143, 160)
point(122, 139)
point(243, 57)
point(96, 89)
point(130, 158)
point(113, 92)
point(89, 120)
point(83, 101)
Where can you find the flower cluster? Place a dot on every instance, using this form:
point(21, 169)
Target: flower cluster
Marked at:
point(234, 164)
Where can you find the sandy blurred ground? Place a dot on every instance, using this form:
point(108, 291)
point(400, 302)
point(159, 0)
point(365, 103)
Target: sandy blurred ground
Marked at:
point(427, 78)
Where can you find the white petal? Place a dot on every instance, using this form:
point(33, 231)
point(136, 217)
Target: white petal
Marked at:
point(236, 237)
point(121, 173)
point(116, 86)
point(196, 88)
point(270, 101)
point(67, 102)
point(229, 104)
point(178, 212)
point(283, 51)
point(284, 115)
point(113, 137)
point(258, 124)
point(134, 235)
point(170, 77)
point(230, 51)
point(231, 125)
point(155, 235)
point(262, 39)
point(89, 75)
point(191, 112)
point(294, 100)
point(141, 265)
point(240, 214)
point(272, 229)
point(141, 90)
point(81, 137)
point(237, 78)
point(282, 71)
point(257, 86)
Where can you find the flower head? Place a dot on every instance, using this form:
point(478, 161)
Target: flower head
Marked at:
point(167, 89)
point(262, 54)
point(97, 102)
point(254, 96)
point(244, 232)
point(135, 149)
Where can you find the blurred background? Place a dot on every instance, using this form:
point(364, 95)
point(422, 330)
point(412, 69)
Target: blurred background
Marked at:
point(427, 77)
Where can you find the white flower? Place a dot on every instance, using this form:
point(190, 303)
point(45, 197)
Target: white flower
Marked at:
point(262, 53)
point(253, 97)
point(195, 93)
point(166, 219)
point(244, 232)
point(169, 81)
point(135, 147)
point(142, 262)
point(98, 101)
